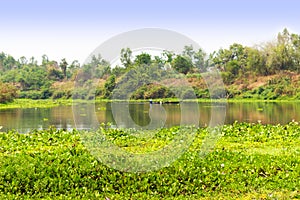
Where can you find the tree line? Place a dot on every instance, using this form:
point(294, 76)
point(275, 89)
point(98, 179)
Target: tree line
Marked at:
point(25, 78)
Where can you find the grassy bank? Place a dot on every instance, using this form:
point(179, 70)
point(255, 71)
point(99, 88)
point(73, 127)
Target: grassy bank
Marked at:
point(249, 161)
point(29, 103)
point(46, 103)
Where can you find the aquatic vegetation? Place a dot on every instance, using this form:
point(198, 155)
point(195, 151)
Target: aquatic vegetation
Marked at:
point(250, 161)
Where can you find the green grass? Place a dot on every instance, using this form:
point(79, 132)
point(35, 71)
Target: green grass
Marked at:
point(47, 103)
point(29, 103)
point(249, 161)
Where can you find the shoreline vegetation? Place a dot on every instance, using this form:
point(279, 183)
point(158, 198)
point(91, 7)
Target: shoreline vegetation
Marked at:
point(48, 103)
point(249, 161)
point(270, 71)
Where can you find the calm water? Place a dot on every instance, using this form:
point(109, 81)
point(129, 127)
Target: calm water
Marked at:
point(88, 115)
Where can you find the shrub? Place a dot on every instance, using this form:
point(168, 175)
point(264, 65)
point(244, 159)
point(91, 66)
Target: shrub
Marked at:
point(152, 91)
point(188, 94)
point(31, 94)
point(7, 92)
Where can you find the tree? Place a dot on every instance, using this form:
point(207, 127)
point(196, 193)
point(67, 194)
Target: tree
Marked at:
point(282, 54)
point(196, 57)
point(45, 59)
point(199, 60)
point(109, 86)
point(7, 92)
point(230, 60)
point(158, 60)
point(98, 60)
point(256, 61)
point(54, 74)
point(232, 67)
point(295, 40)
point(63, 65)
point(7, 62)
point(74, 65)
point(182, 64)
point(117, 71)
point(23, 60)
point(188, 52)
point(33, 61)
point(143, 59)
point(125, 58)
point(167, 56)
point(73, 69)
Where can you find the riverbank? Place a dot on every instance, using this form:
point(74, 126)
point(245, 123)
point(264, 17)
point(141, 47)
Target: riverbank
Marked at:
point(44, 103)
point(249, 161)
point(48, 103)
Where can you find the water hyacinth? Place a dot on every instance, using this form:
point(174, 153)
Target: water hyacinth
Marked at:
point(249, 161)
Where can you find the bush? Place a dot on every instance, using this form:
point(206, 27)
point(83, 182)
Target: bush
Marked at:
point(58, 95)
point(188, 94)
point(227, 77)
point(7, 92)
point(218, 93)
point(31, 94)
point(152, 91)
point(46, 93)
point(202, 93)
point(80, 93)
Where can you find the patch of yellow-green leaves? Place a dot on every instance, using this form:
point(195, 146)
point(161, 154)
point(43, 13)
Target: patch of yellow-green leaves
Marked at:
point(249, 161)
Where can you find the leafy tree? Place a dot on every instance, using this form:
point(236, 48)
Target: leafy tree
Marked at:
point(73, 69)
point(45, 59)
point(196, 57)
point(285, 50)
point(199, 60)
point(295, 40)
point(143, 59)
point(256, 62)
point(167, 56)
point(182, 64)
point(232, 60)
point(32, 61)
point(23, 60)
point(117, 71)
point(188, 52)
point(74, 65)
point(126, 55)
point(232, 67)
point(63, 65)
point(7, 92)
point(55, 75)
point(7, 62)
point(98, 60)
point(109, 86)
point(158, 60)
point(98, 67)
point(282, 54)
point(2, 58)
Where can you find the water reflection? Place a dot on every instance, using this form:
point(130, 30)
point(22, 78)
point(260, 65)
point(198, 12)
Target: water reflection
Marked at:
point(142, 114)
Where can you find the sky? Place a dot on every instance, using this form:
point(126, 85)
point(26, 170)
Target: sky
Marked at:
point(72, 29)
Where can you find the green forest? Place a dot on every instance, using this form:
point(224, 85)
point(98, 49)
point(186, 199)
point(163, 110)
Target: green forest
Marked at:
point(266, 71)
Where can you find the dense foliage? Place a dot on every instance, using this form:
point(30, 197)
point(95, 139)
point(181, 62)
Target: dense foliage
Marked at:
point(249, 161)
point(248, 72)
point(7, 92)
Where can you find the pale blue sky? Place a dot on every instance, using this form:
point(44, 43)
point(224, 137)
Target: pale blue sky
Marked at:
point(74, 28)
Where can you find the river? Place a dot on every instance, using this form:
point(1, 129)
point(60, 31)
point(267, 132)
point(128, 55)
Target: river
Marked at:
point(82, 116)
